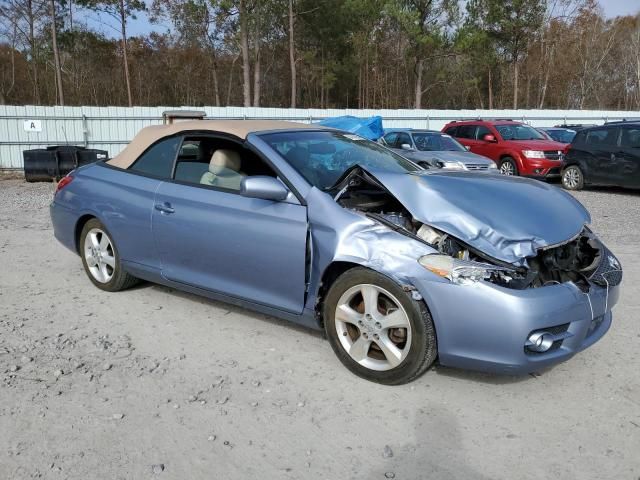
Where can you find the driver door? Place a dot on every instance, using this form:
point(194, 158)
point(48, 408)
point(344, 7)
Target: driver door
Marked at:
point(219, 240)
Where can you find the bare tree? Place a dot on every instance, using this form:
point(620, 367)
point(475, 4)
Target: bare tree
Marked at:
point(292, 55)
point(121, 11)
point(56, 52)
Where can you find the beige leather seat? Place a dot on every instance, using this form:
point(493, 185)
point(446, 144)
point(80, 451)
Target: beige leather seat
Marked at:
point(224, 170)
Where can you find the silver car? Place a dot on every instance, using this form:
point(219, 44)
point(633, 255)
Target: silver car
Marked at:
point(433, 149)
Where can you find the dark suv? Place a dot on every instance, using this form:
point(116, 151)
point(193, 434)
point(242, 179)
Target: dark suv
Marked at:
point(606, 155)
point(517, 148)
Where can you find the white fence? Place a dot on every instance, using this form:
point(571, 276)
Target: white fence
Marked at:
point(111, 128)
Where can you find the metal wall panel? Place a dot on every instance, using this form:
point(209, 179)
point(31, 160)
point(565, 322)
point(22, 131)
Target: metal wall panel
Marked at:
point(110, 128)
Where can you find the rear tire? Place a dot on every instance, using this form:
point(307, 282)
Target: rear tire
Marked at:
point(572, 178)
point(101, 260)
point(377, 330)
point(508, 167)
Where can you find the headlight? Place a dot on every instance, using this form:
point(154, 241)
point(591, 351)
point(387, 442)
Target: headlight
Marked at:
point(533, 153)
point(453, 165)
point(463, 272)
point(493, 166)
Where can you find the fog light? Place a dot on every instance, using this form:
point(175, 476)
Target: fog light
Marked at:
point(540, 341)
point(538, 170)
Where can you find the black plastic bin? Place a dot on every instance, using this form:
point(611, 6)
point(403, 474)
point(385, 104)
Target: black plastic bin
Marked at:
point(53, 163)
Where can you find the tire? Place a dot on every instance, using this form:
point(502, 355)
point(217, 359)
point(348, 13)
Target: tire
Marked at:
point(101, 260)
point(572, 178)
point(508, 167)
point(410, 340)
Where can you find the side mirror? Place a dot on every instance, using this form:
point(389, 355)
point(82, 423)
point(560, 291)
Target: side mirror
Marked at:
point(406, 146)
point(264, 187)
point(489, 138)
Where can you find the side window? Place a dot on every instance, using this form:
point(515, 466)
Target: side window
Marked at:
point(601, 136)
point(630, 138)
point(466, 131)
point(580, 138)
point(451, 131)
point(217, 162)
point(390, 139)
point(482, 131)
point(403, 138)
point(158, 160)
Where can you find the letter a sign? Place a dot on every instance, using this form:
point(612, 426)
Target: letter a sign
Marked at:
point(32, 126)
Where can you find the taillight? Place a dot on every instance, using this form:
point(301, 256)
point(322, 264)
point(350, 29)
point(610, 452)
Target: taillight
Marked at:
point(64, 182)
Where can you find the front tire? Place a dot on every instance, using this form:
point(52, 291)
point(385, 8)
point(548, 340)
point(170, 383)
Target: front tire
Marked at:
point(508, 167)
point(572, 178)
point(101, 260)
point(377, 330)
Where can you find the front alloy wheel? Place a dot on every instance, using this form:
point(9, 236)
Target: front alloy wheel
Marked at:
point(373, 327)
point(508, 167)
point(377, 330)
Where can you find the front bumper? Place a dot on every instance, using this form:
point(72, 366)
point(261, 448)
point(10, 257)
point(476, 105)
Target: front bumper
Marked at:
point(540, 168)
point(485, 327)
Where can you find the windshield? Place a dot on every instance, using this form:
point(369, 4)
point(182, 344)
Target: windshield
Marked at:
point(436, 142)
point(562, 136)
point(518, 132)
point(322, 157)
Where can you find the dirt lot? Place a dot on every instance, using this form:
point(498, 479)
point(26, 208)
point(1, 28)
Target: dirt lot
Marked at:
point(154, 383)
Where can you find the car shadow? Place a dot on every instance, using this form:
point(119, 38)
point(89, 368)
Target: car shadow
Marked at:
point(230, 308)
point(613, 190)
point(437, 369)
point(487, 378)
point(437, 450)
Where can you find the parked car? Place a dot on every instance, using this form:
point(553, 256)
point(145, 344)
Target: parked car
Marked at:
point(399, 265)
point(576, 126)
point(606, 155)
point(518, 149)
point(561, 135)
point(433, 149)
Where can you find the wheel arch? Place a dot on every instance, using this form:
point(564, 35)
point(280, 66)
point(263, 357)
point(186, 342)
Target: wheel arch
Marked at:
point(513, 156)
point(82, 221)
point(339, 267)
point(328, 277)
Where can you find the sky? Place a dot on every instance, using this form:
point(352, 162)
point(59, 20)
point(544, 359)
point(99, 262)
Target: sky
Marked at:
point(142, 26)
point(615, 8)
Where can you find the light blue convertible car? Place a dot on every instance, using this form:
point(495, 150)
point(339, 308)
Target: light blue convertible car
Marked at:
point(399, 265)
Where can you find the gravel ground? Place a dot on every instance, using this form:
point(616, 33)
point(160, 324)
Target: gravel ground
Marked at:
point(155, 383)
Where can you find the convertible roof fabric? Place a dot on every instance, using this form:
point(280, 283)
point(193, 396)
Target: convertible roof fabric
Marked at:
point(237, 128)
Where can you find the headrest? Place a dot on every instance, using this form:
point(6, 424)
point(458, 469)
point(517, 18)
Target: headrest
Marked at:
point(222, 160)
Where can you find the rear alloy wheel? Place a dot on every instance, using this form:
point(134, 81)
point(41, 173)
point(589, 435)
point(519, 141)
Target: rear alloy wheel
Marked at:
point(377, 330)
point(101, 260)
point(572, 178)
point(508, 167)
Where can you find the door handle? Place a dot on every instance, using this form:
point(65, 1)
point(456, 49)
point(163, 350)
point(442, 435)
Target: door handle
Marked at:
point(164, 207)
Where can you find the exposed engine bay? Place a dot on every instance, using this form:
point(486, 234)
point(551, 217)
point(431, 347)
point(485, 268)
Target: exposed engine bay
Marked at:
point(582, 260)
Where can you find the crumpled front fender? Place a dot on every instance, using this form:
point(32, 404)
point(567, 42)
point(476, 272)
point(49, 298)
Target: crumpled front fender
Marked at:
point(342, 235)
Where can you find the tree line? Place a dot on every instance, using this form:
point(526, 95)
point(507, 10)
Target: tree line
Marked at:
point(322, 54)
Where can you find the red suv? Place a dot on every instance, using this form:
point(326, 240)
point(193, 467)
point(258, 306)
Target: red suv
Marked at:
point(517, 149)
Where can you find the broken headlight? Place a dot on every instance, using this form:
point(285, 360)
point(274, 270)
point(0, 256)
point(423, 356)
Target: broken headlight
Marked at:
point(463, 272)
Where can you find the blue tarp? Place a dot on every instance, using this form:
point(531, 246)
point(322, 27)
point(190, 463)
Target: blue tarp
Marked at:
point(370, 128)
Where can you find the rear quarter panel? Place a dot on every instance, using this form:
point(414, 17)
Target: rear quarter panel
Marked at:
point(122, 201)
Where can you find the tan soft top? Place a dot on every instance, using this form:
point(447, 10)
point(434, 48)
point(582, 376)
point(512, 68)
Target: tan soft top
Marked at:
point(237, 128)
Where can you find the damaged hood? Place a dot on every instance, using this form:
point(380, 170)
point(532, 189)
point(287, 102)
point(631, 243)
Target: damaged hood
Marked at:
point(507, 218)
